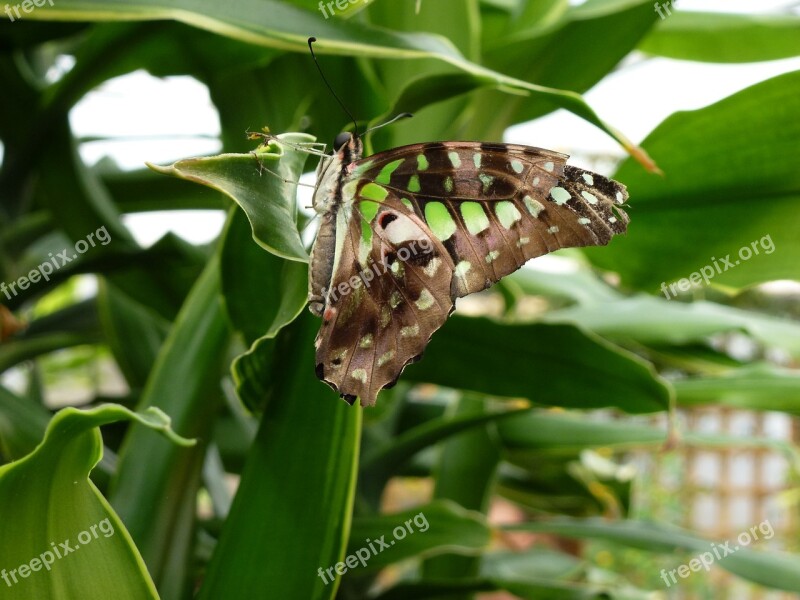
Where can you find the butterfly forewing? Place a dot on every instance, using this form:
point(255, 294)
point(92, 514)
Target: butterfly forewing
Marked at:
point(483, 210)
point(496, 206)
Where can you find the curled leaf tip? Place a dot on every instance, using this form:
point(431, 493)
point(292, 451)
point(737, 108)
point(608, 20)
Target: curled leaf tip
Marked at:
point(641, 156)
point(162, 422)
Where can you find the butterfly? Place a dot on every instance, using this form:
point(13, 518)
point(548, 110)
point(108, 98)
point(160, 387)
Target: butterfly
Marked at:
point(406, 232)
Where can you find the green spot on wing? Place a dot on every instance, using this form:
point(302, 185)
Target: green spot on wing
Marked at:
point(361, 168)
point(372, 191)
point(474, 217)
point(560, 195)
point(507, 213)
point(368, 212)
point(439, 220)
point(422, 162)
point(386, 172)
point(413, 184)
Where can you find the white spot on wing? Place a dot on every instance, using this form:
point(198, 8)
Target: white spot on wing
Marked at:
point(425, 300)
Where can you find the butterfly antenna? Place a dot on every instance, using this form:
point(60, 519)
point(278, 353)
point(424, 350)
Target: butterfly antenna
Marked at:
point(405, 115)
point(311, 41)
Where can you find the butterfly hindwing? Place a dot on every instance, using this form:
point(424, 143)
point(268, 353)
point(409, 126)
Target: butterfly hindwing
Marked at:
point(479, 212)
point(389, 291)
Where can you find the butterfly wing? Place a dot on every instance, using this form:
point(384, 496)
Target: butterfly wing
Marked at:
point(496, 206)
point(480, 210)
point(389, 291)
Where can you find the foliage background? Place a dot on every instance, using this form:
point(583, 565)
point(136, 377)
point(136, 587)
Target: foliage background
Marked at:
point(538, 400)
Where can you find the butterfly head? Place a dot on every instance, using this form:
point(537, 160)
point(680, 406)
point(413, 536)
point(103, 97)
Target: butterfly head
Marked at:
point(347, 149)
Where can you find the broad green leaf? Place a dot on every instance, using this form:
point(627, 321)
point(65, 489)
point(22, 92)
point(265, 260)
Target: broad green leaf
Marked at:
point(770, 569)
point(267, 201)
point(276, 286)
point(63, 540)
point(757, 387)
point(718, 37)
point(560, 432)
point(291, 514)
point(580, 369)
point(156, 484)
point(22, 425)
point(528, 436)
point(581, 287)
point(133, 333)
point(722, 192)
point(427, 530)
point(527, 588)
point(650, 320)
point(252, 389)
point(465, 474)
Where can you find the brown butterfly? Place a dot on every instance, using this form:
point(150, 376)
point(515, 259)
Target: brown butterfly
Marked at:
point(407, 231)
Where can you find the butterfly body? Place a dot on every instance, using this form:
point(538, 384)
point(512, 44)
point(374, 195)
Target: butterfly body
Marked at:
point(406, 232)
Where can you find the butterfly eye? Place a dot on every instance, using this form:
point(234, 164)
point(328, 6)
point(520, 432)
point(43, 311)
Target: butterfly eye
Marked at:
point(341, 140)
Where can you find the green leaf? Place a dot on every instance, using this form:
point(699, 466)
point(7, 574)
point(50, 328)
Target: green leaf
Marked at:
point(427, 530)
point(770, 569)
point(756, 387)
point(650, 320)
point(156, 484)
point(291, 514)
point(718, 37)
point(22, 425)
point(133, 332)
point(465, 474)
point(62, 506)
point(747, 185)
point(275, 287)
point(268, 202)
point(569, 433)
point(581, 370)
